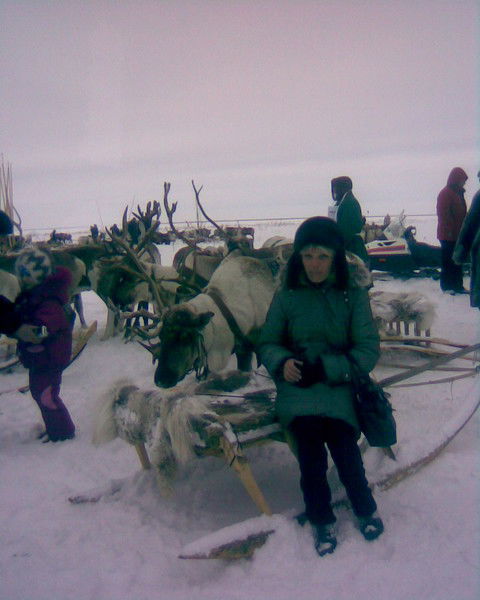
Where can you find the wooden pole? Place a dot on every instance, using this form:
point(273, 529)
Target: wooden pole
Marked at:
point(143, 456)
point(235, 459)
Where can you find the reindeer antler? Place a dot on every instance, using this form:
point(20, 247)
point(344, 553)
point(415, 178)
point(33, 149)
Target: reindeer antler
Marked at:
point(147, 226)
point(202, 210)
point(151, 211)
point(170, 211)
point(160, 300)
point(146, 332)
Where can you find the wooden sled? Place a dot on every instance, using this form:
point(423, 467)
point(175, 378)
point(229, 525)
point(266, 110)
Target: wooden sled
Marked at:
point(240, 432)
point(244, 542)
point(242, 539)
point(237, 430)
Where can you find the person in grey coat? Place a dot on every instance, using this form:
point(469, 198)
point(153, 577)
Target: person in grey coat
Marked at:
point(320, 315)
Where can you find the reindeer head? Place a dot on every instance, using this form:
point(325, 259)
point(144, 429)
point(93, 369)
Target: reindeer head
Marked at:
point(181, 348)
point(116, 283)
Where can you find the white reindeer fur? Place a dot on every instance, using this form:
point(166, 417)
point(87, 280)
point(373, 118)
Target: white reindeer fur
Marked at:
point(247, 287)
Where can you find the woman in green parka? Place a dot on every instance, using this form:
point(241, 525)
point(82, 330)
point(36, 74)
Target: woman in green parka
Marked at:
point(318, 316)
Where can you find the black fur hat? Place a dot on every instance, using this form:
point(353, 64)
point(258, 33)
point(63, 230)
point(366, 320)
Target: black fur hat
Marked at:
point(319, 231)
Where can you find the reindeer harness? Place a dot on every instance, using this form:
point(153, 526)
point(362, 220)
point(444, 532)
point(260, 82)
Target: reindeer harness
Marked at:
point(241, 340)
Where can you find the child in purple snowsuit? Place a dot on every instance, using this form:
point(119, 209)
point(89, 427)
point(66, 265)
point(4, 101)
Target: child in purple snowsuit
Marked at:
point(43, 302)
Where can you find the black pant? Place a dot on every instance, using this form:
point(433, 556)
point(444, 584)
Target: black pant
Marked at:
point(451, 275)
point(311, 433)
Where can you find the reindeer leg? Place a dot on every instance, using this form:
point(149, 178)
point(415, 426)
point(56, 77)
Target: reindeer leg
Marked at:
point(129, 323)
point(78, 305)
point(110, 325)
point(142, 305)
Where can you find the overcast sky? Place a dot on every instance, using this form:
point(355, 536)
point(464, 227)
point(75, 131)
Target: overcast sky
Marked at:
point(261, 102)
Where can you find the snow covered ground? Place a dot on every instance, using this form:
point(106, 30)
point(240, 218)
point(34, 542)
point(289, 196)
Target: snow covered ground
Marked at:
point(126, 545)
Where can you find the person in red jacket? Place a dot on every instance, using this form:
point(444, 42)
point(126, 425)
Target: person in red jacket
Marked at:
point(44, 302)
point(451, 211)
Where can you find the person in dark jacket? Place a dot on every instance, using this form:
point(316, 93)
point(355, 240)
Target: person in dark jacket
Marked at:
point(10, 322)
point(451, 211)
point(320, 315)
point(348, 215)
point(467, 248)
point(43, 302)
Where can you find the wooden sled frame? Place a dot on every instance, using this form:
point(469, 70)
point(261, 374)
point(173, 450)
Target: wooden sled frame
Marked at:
point(230, 449)
point(403, 328)
point(231, 444)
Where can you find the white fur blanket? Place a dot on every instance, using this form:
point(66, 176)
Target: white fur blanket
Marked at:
point(411, 307)
point(176, 425)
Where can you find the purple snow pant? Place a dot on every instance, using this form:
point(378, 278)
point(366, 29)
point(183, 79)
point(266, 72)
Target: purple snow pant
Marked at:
point(45, 389)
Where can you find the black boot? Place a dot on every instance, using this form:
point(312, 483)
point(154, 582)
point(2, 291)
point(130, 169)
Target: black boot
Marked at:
point(371, 527)
point(324, 539)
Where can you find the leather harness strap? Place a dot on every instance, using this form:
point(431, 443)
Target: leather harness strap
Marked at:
point(230, 319)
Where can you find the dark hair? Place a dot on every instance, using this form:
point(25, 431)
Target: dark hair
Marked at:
point(318, 231)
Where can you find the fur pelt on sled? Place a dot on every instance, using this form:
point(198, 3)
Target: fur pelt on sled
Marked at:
point(411, 307)
point(174, 424)
point(162, 421)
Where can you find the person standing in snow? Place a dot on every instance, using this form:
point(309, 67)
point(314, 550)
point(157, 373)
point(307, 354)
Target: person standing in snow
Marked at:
point(467, 248)
point(451, 211)
point(348, 215)
point(44, 302)
point(318, 316)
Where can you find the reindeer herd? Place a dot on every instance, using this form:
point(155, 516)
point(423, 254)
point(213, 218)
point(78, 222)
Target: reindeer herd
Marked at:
point(192, 315)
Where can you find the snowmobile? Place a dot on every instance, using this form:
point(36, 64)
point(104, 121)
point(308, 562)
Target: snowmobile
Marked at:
point(400, 253)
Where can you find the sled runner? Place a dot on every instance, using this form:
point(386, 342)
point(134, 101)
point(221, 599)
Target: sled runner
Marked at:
point(82, 340)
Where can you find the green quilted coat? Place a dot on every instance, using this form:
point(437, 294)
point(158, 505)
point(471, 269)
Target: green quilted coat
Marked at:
point(319, 322)
point(350, 221)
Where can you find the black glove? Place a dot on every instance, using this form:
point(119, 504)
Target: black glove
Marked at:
point(312, 372)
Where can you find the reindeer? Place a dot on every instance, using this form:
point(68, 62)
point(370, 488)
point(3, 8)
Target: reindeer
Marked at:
point(423, 255)
point(135, 277)
point(123, 286)
point(202, 333)
point(59, 238)
point(196, 265)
